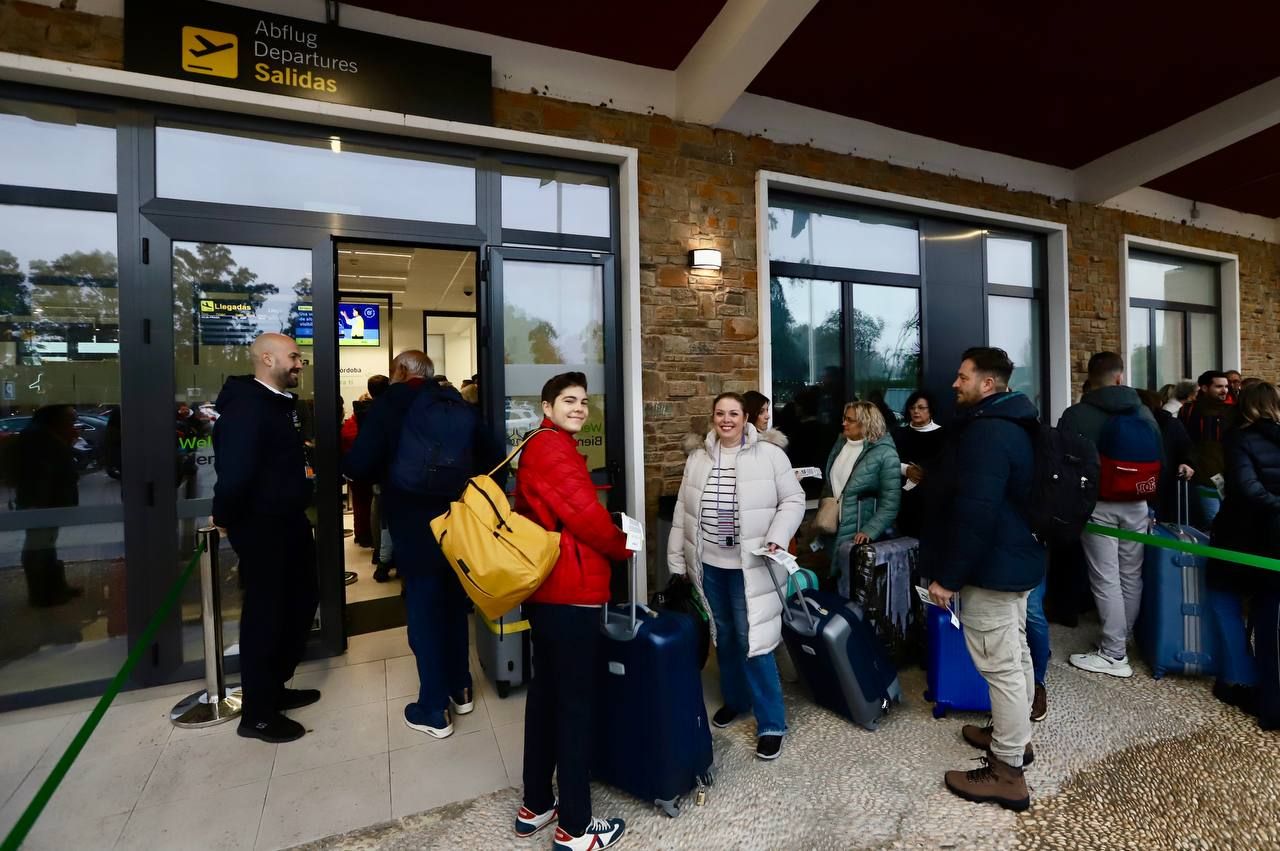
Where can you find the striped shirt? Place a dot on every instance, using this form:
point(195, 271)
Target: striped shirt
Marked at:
point(718, 519)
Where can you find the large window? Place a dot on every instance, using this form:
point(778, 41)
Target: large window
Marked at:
point(845, 319)
point(1014, 314)
point(1173, 318)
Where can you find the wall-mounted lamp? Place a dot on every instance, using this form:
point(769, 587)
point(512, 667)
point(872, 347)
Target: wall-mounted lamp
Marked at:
point(704, 258)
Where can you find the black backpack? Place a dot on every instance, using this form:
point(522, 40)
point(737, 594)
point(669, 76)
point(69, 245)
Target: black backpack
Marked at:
point(1064, 486)
point(437, 447)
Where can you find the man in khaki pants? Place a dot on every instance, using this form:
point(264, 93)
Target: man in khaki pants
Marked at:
point(979, 548)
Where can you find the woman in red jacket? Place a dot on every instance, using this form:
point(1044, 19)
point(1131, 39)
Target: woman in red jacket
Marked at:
point(555, 490)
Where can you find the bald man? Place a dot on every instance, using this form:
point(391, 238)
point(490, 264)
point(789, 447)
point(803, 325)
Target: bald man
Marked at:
point(261, 497)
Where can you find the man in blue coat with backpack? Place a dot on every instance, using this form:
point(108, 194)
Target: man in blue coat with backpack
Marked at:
point(420, 442)
point(1112, 417)
point(980, 549)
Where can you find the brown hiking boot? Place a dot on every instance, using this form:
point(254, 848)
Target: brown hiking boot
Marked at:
point(996, 782)
point(980, 738)
point(1039, 704)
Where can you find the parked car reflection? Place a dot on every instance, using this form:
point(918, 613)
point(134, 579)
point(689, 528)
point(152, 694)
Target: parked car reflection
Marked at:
point(91, 436)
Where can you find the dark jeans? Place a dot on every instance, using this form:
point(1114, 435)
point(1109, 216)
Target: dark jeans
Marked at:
point(278, 575)
point(46, 575)
point(436, 611)
point(558, 710)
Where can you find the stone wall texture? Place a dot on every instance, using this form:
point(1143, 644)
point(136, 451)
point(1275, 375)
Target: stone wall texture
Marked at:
point(697, 189)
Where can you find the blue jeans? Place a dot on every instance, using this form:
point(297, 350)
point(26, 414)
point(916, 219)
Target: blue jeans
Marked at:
point(1038, 632)
point(745, 683)
point(1235, 664)
point(436, 611)
point(1209, 505)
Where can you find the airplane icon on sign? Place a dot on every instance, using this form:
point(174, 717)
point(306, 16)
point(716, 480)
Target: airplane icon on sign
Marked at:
point(210, 47)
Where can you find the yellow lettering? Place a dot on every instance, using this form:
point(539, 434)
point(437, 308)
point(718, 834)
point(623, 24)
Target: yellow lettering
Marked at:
point(262, 72)
point(330, 86)
point(277, 77)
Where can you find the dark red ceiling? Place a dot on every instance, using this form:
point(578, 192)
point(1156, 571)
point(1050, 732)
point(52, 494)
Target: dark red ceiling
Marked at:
point(657, 33)
point(1244, 176)
point(1060, 83)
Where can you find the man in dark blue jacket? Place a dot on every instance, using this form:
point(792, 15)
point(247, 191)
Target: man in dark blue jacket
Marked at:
point(260, 498)
point(980, 548)
point(435, 605)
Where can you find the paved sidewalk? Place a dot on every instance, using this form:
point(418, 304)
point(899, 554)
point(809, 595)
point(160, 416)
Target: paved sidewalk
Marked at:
point(1119, 764)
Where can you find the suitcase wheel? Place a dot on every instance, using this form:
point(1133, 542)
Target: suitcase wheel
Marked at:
point(1157, 673)
point(939, 711)
point(504, 688)
point(671, 808)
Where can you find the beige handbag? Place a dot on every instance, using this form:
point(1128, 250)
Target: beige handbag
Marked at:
point(827, 520)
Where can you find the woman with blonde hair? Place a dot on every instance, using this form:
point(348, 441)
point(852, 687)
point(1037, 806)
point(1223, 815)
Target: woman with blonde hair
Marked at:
point(864, 475)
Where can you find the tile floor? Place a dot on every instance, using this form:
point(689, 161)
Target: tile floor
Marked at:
point(140, 783)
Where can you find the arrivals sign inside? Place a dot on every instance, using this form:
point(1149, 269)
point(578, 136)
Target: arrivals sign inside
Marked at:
point(246, 49)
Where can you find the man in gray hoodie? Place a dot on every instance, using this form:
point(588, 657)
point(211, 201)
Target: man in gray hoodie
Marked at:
point(1115, 567)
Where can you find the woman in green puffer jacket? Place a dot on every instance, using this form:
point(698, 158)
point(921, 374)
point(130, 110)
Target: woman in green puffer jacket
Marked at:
point(864, 470)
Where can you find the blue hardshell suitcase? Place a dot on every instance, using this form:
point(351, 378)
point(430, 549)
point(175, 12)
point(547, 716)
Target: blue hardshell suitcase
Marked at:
point(838, 656)
point(954, 684)
point(1174, 630)
point(653, 739)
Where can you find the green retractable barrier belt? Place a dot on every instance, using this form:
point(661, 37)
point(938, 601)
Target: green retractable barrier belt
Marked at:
point(1194, 549)
point(50, 785)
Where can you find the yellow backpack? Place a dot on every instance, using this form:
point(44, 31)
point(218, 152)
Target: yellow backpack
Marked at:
point(501, 557)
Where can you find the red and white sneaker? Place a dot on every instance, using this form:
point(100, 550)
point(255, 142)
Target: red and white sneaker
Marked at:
point(600, 833)
point(528, 822)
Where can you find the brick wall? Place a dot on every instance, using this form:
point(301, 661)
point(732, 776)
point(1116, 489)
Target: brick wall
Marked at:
point(61, 34)
point(697, 188)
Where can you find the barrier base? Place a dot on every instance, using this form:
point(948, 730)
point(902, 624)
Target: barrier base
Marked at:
point(198, 711)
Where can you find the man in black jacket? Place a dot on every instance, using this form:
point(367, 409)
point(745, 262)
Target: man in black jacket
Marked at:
point(435, 605)
point(979, 547)
point(261, 496)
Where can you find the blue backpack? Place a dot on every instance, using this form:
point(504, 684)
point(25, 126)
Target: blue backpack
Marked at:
point(437, 447)
point(1129, 455)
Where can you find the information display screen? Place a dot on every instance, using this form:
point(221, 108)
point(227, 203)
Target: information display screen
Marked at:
point(358, 324)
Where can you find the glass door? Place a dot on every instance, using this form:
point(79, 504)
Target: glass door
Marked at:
point(556, 311)
point(223, 286)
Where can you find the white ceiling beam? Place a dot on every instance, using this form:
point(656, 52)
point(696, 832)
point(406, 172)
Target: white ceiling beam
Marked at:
point(731, 52)
point(1167, 150)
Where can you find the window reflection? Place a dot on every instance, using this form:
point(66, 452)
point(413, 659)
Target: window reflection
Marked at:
point(886, 346)
point(1010, 262)
point(326, 175)
point(874, 241)
point(1140, 347)
point(1014, 325)
point(57, 147)
point(1170, 346)
point(553, 322)
point(554, 201)
point(1166, 278)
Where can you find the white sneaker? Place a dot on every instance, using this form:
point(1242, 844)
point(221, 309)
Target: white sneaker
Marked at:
point(1100, 663)
point(528, 822)
point(600, 833)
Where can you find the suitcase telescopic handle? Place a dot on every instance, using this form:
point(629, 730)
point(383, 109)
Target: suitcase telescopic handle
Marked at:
point(610, 626)
point(786, 610)
point(1184, 502)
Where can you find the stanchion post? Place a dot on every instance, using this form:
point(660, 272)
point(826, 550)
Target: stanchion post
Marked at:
point(216, 704)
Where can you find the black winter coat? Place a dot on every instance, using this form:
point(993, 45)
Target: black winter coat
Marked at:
point(975, 530)
point(1177, 450)
point(408, 515)
point(258, 455)
point(1250, 517)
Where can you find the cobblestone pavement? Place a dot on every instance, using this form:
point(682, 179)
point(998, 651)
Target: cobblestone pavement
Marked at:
point(1120, 764)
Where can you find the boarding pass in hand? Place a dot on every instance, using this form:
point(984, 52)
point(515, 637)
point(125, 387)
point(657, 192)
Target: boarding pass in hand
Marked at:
point(923, 593)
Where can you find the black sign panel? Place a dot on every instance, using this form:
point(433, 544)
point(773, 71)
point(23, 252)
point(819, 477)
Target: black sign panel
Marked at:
point(245, 49)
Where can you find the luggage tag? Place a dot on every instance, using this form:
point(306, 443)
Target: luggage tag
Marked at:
point(923, 594)
point(782, 557)
point(634, 531)
point(807, 472)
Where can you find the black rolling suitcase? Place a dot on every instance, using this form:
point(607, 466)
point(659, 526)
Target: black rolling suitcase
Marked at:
point(880, 581)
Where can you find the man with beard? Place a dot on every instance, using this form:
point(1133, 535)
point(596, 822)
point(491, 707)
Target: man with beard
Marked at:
point(1207, 419)
point(260, 499)
point(977, 545)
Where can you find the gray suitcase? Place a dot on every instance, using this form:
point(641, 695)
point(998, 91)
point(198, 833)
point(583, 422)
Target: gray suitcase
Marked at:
point(503, 649)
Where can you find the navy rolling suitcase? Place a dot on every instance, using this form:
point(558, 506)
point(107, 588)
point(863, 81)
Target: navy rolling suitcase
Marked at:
point(954, 684)
point(653, 739)
point(838, 656)
point(1174, 630)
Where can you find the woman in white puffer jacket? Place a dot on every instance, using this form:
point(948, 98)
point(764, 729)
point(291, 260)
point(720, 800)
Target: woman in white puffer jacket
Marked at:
point(739, 493)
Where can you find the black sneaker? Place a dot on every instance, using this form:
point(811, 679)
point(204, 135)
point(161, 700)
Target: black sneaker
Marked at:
point(769, 747)
point(724, 716)
point(277, 730)
point(296, 698)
